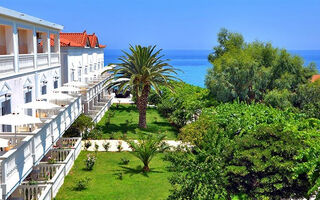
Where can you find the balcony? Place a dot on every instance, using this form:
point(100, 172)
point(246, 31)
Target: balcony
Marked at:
point(46, 179)
point(26, 61)
point(31, 147)
point(55, 59)
point(6, 63)
point(42, 60)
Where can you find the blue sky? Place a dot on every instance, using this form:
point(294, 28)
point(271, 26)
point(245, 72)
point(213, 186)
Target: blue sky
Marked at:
point(183, 24)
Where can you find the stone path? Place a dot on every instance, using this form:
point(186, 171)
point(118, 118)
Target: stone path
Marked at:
point(125, 147)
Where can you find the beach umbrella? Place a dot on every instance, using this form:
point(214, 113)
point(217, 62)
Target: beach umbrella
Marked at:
point(67, 89)
point(41, 105)
point(55, 96)
point(18, 119)
point(4, 143)
point(76, 84)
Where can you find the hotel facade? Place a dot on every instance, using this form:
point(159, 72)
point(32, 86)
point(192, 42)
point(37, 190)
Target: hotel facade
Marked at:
point(36, 60)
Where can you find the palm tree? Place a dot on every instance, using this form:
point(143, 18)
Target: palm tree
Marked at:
point(147, 147)
point(140, 71)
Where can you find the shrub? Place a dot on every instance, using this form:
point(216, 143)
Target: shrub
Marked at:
point(90, 161)
point(119, 146)
point(106, 146)
point(254, 150)
point(96, 147)
point(124, 161)
point(87, 144)
point(82, 184)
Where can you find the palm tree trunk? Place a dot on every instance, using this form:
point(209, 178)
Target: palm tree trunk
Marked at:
point(142, 107)
point(146, 168)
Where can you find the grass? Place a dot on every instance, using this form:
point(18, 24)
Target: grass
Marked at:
point(124, 120)
point(105, 182)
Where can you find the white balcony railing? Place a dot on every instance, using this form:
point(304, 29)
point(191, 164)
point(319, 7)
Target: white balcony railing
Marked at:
point(55, 58)
point(26, 61)
point(18, 162)
point(42, 60)
point(6, 63)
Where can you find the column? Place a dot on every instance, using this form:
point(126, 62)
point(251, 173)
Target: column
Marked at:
point(35, 50)
point(15, 47)
point(49, 49)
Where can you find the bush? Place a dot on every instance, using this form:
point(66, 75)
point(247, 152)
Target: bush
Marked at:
point(124, 161)
point(87, 144)
point(82, 184)
point(90, 161)
point(119, 146)
point(94, 134)
point(106, 146)
point(96, 147)
point(252, 150)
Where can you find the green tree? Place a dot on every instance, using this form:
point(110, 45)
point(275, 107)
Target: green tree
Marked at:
point(247, 71)
point(80, 126)
point(182, 106)
point(146, 148)
point(307, 98)
point(141, 70)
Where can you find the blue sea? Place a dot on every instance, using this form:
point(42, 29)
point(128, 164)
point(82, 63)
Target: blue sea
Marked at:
point(194, 63)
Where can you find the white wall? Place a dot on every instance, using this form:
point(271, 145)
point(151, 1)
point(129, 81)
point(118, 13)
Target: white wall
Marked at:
point(76, 59)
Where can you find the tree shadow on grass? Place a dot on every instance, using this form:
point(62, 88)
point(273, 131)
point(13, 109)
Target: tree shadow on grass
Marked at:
point(135, 171)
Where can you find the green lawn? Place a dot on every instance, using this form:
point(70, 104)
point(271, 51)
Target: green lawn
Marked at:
point(125, 120)
point(106, 185)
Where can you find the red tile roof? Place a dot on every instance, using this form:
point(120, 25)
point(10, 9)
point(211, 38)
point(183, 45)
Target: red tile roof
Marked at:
point(315, 77)
point(79, 40)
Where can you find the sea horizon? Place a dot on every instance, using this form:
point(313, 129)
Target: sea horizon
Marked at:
point(194, 63)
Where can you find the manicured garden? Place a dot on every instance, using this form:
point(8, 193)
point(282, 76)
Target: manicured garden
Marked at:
point(111, 179)
point(122, 121)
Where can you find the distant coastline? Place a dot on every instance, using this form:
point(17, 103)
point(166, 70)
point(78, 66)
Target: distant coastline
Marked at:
point(194, 63)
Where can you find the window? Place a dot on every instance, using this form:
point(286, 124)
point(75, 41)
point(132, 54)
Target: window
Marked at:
point(25, 38)
point(86, 70)
point(42, 42)
point(79, 75)
point(72, 75)
point(27, 99)
point(6, 109)
point(44, 89)
point(55, 84)
point(6, 47)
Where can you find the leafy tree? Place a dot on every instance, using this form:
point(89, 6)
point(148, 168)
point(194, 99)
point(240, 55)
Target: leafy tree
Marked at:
point(141, 70)
point(80, 126)
point(307, 98)
point(146, 148)
point(251, 150)
point(182, 106)
point(247, 71)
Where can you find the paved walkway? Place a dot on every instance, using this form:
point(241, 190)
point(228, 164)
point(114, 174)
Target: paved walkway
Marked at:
point(125, 147)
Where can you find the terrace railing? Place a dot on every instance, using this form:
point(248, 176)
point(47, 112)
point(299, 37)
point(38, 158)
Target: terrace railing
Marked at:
point(42, 60)
point(55, 59)
point(26, 61)
point(6, 63)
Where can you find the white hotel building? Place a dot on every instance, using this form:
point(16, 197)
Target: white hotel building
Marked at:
point(35, 157)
